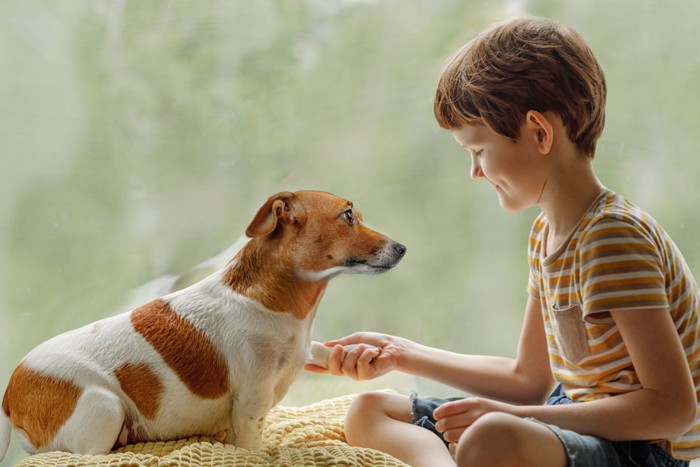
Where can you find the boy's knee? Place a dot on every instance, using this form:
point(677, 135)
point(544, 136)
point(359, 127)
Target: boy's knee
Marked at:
point(368, 408)
point(494, 439)
point(364, 405)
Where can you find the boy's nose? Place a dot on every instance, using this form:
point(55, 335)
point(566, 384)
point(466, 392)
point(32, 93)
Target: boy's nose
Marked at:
point(476, 172)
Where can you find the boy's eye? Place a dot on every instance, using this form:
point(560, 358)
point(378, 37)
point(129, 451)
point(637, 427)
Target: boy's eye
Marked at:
point(349, 217)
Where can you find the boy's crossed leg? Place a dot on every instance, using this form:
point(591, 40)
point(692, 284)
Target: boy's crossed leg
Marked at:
point(384, 421)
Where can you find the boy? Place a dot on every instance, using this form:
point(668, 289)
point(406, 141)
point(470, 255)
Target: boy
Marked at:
point(611, 323)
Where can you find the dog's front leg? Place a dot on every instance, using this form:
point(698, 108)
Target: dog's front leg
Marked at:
point(248, 418)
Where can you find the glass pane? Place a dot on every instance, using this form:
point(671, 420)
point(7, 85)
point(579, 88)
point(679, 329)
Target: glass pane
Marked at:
point(138, 139)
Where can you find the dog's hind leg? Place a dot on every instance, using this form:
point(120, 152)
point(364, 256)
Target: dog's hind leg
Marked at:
point(95, 424)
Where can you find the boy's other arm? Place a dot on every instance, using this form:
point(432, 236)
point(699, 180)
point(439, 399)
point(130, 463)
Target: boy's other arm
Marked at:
point(665, 406)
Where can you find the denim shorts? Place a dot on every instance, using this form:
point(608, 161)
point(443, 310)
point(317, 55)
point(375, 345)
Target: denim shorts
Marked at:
point(581, 450)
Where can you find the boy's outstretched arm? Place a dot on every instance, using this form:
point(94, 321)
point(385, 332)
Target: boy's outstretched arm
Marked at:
point(664, 407)
point(527, 379)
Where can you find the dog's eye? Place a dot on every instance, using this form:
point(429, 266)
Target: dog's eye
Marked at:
point(349, 217)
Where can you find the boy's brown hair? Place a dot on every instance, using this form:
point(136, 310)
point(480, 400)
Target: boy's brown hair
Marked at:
point(520, 65)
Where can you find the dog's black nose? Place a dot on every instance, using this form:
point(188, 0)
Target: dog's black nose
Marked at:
point(399, 249)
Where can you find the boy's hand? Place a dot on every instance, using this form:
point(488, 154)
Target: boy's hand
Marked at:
point(455, 417)
point(371, 356)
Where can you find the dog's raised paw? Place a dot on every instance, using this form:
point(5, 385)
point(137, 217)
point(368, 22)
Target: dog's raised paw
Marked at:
point(319, 353)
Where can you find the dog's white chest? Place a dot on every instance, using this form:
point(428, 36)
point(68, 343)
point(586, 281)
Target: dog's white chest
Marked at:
point(261, 347)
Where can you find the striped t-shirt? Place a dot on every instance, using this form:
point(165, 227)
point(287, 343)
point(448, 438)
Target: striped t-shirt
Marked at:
point(618, 257)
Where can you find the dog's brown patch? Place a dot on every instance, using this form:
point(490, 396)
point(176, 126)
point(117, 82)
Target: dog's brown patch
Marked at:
point(142, 386)
point(39, 404)
point(190, 354)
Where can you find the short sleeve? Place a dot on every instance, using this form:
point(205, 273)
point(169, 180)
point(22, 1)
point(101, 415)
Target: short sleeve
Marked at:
point(621, 267)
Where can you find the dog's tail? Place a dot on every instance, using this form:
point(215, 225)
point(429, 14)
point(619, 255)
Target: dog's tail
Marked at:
point(5, 431)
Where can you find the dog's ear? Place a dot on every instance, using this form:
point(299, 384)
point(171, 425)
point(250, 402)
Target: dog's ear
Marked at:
point(283, 207)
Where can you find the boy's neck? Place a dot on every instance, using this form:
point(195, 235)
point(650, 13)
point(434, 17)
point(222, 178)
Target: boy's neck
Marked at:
point(567, 197)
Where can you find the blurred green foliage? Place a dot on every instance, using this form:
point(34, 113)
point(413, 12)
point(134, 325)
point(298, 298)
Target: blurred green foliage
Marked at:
point(138, 138)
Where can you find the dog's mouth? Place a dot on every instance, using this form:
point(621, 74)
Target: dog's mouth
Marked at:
point(358, 262)
point(353, 261)
point(383, 259)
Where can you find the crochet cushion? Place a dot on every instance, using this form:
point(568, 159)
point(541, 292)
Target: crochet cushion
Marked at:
point(294, 436)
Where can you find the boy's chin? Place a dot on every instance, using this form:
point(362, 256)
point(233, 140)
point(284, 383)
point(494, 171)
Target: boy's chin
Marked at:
point(511, 206)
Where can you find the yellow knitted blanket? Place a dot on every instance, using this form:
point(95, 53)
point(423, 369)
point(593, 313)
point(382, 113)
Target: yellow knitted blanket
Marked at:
point(294, 436)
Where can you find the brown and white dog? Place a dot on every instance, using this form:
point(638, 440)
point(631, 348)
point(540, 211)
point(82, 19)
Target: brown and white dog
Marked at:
point(214, 357)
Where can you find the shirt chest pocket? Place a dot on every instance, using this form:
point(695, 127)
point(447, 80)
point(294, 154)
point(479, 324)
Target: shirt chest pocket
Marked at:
point(570, 333)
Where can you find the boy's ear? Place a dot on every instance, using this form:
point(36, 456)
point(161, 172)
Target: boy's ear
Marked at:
point(540, 128)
